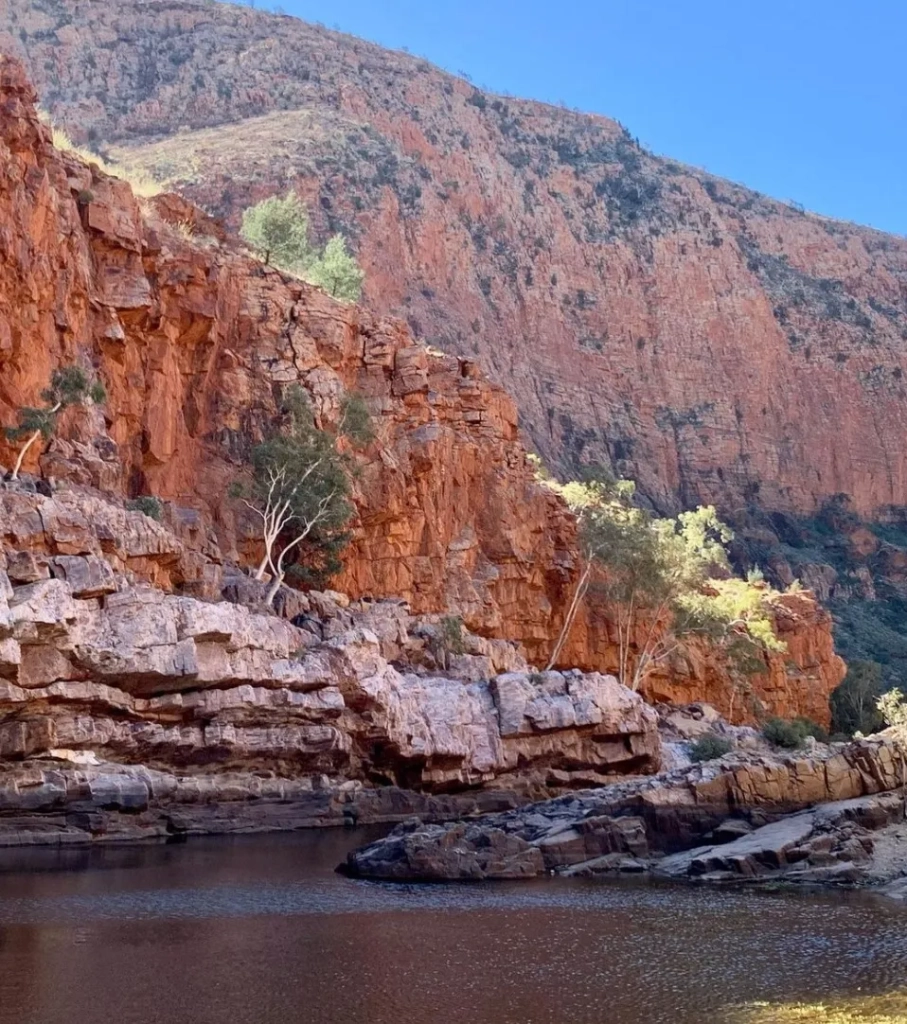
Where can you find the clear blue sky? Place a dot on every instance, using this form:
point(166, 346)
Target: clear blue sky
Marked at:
point(799, 99)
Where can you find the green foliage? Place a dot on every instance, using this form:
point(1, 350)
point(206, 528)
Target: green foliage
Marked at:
point(31, 421)
point(148, 505)
point(336, 271)
point(730, 605)
point(69, 385)
point(781, 733)
point(540, 470)
point(893, 708)
point(674, 573)
point(710, 748)
point(854, 704)
point(790, 735)
point(278, 230)
point(356, 420)
point(452, 634)
point(303, 469)
point(300, 491)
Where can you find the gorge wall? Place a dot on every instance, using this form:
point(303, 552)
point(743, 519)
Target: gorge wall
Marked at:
point(710, 343)
point(194, 342)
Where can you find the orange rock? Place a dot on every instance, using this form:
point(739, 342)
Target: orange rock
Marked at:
point(704, 340)
point(193, 341)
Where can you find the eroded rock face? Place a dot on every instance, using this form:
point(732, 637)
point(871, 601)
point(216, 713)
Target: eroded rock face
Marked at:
point(141, 677)
point(739, 802)
point(193, 340)
point(675, 327)
point(80, 801)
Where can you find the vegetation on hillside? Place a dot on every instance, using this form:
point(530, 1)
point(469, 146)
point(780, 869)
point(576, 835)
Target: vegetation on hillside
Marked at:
point(792, 734)
point(278, 230)
point(666, 580)
point(893, 708)
point(69, 385)
point(709, 748)
point(300, 490)
point(141, 182)
point(855, 564)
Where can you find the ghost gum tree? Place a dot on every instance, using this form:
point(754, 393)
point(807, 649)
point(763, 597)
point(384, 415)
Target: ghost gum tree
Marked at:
point(69, 385)
point(300, 489)
point(663, 580)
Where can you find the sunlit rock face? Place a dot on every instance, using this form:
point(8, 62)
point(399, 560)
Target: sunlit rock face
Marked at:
point(706, 341)
point(193, 341)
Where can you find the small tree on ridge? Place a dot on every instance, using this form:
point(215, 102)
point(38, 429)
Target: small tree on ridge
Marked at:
point(337, 272)
point(278, 230)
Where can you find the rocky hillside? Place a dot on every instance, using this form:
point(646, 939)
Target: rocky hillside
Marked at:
point(693, 335)
point(194, 342)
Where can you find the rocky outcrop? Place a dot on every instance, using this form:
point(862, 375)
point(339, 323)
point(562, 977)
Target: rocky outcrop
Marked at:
point(194, 342)
point(52, 803)
point(834, 842)
point(675, 327)
point(101, 673)
point(78, 532)
point(746, 805)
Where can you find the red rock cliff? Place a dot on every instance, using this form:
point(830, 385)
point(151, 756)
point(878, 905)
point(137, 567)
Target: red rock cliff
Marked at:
point(193, 341)
point(708, 342)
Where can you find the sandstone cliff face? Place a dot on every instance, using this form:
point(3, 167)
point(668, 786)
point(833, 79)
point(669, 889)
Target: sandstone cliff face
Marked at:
point(707, 342)
point(193, 342)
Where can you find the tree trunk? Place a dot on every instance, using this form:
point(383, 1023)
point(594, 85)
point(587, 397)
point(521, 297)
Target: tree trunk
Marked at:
point(23, 453)
point(276, 584)
point(579, 594)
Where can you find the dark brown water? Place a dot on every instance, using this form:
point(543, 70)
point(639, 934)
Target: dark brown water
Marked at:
point(260, 930)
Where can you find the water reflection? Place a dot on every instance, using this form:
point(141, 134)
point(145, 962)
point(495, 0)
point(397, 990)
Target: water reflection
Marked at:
point(261, 930)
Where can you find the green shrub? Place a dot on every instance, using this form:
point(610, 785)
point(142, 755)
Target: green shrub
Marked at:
point(893, 708)
point(781, 733)
point(278, 230)
point(790, 734)
point(811, 728)
point(452, 634)
point(148, 505)
point(710, 748)
point(336, 271)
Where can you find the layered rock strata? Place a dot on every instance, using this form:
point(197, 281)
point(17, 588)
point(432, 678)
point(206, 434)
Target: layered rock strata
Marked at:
point(749, 803)
point(115, 696)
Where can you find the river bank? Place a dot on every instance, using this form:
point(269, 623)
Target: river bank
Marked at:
point(834, 816)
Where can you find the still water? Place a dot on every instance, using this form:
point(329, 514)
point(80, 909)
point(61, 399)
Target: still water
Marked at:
point(260, 930)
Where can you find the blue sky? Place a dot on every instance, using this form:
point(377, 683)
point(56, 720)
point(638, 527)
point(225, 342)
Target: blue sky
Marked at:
point(800, 99)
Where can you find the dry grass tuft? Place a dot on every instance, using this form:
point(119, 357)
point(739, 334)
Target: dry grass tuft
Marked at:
point(887, 1009)
point(141, 182)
